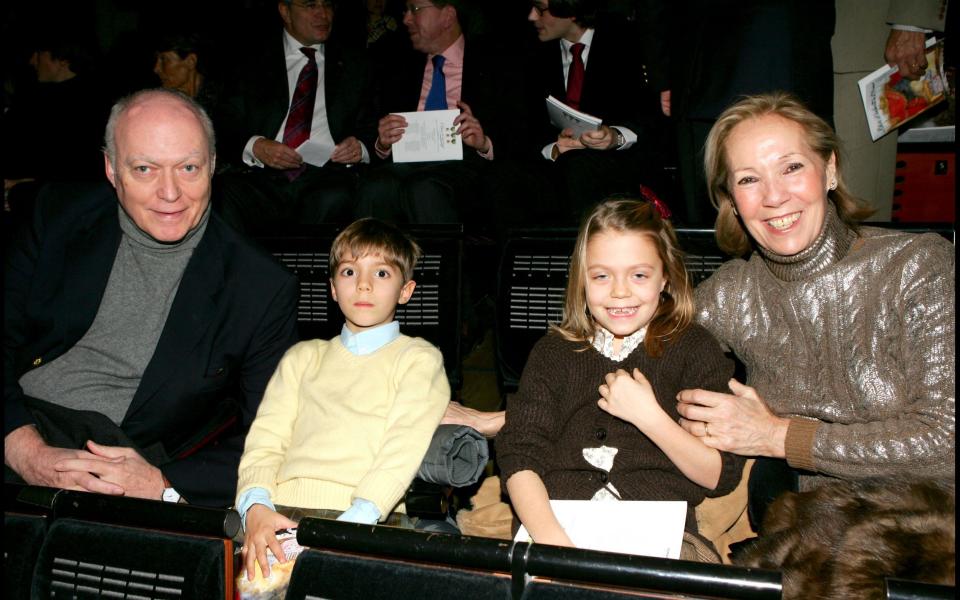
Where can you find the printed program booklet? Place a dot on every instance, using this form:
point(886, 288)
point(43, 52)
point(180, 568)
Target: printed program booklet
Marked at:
point(646, 528)
point(565, 117)
point(430, 135)
point(890, 100)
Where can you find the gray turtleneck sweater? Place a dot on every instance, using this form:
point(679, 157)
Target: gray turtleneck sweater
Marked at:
point(103, 370)
point(854, 338)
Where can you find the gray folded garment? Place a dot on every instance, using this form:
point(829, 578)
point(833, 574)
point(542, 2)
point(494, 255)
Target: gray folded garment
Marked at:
point(457, 456)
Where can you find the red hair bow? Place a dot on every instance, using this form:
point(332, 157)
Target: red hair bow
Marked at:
point(655, 200)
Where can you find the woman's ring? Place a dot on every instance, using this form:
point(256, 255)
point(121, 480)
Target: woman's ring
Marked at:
point(706, 429)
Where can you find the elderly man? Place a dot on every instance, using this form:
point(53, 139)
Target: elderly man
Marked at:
point(446, 68)
point(134, 331)
point(304, 89)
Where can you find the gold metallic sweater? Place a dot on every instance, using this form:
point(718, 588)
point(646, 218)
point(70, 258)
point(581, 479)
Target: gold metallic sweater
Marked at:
point(854, 339)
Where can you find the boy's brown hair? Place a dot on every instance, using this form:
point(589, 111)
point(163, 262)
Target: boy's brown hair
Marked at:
point(373, 236)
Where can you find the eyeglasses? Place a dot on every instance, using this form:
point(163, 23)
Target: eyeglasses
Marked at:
point(414, 9)
point(314, 5)
point(539, 8)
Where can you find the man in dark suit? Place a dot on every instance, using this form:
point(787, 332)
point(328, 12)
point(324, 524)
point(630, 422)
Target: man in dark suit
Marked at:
point(476, 79)
point(308, 87)
point(596, 66)
point(132, 331)
point(724, 49)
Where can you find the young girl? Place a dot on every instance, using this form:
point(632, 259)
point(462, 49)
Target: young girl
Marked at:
point(595, 417)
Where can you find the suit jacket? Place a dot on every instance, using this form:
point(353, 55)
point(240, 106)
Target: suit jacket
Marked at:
point(727, 48)
point(863, 26)
point(492, 88)
point(257, 99)
point(617, 94)
point(233, 317)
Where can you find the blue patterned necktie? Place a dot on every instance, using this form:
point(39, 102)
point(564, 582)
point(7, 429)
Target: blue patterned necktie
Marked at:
point(437, 98)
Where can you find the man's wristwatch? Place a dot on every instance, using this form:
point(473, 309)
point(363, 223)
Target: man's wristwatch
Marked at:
point(620, 140)
point(170, 495)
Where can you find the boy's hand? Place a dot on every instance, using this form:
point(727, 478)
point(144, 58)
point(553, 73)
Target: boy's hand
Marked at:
point(262, 523)
point(629, 398)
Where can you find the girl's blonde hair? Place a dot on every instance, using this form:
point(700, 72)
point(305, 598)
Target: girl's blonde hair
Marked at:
point(732, 237)
point(675, 311)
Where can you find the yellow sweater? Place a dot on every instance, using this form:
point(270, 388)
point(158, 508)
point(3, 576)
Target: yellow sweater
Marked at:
point(334, 426)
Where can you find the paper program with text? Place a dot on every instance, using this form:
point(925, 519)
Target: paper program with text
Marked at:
point(628, 527)
point(429, 135)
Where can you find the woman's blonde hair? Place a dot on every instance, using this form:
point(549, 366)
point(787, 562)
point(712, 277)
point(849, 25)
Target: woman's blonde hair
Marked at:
point(675, 311)
point(732, 237)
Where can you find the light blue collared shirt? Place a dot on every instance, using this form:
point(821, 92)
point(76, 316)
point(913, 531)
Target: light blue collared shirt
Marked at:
point(361, 343)
point(370, 340)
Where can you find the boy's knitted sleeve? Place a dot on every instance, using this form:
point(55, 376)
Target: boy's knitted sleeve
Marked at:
point(269, 436)
point(423, 393)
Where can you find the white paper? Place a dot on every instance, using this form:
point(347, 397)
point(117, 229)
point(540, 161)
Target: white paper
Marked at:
point(563, 117)
point(627, 527)
point(315, 153)
point(429, 135)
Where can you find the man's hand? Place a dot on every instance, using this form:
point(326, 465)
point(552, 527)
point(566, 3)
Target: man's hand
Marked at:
point(566, 142)
point(347, 152)
point(604, 138)
point(665, 102)
point(121, 466)
point(470, 129)
point(487, 423)
point(276, 155)
point(905, 49)
point(389, 131)
point(25, 451)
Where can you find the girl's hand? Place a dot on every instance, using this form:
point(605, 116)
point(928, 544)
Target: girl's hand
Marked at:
point(740, 422)
point(629, 398)
point(555, 538)
point(262, 523)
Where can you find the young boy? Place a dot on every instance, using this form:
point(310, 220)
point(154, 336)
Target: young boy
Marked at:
point(345, 423)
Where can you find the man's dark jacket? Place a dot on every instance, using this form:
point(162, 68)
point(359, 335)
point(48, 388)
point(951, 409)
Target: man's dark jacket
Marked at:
point(233, 317)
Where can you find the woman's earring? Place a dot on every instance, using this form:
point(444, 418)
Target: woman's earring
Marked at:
point(833, 184)
point(734, 207)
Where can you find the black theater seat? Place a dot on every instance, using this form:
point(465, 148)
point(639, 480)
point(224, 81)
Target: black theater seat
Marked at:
point(84, 559)
point(346, 576)
point(22, 538)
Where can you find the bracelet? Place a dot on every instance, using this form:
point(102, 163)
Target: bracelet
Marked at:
point(380, 146)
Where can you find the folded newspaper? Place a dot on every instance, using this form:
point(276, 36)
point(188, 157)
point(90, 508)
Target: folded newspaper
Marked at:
point(563, 117)
point(890, 100)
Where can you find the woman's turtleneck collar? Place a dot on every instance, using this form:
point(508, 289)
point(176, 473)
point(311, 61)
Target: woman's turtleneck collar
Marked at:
point(144, 240)
point(827, 249)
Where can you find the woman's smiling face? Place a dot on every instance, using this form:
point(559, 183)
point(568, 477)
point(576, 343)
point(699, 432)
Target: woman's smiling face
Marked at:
point(779, 185)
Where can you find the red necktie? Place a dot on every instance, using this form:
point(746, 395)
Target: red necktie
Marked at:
point(575, 76)
point(300, 117)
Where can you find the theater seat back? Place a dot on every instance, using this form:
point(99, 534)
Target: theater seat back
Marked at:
point(346, 576)
point(85, 559)
point(22, 538)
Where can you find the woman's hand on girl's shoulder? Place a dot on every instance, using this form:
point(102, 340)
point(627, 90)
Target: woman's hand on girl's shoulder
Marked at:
point(740, 422)
point(630, 398)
